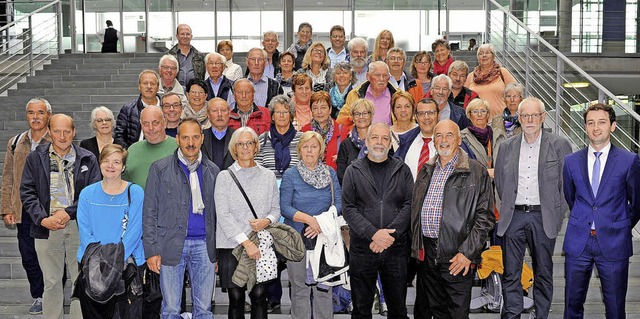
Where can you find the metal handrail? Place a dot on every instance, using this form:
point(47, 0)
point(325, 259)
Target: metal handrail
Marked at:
point(39, 41)
point(521, 50)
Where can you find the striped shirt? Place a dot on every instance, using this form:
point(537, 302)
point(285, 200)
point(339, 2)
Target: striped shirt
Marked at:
point(432, 206)
point(267, 155)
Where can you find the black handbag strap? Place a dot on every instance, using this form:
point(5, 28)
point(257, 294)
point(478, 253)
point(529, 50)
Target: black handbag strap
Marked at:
point(125, 219)
point(235, 179)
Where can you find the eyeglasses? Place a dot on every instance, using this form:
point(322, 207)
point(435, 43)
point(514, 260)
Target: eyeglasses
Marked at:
point(245, 144)
point(422, 63)
point(513, 97)
point(440, 88)
point(423, 113)
point(317, 51)
point(361, 114)
point(192, 92)
point(174, 106)
point(168, 68)
point(534, 116)
point(281, 113)
point(479, 112)
point(215, 63)
point(103, 120)
point(396, 58)
point(255, 60)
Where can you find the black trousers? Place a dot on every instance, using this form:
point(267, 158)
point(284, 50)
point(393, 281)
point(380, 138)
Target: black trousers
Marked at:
point(526, 231)
point(27, 248)
point(364, 268)
point(448, 296)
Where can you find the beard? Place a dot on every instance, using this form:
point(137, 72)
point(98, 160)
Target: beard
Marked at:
point(358, 62)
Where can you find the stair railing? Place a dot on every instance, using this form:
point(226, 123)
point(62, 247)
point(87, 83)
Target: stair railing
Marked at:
point(546, 73)
point(28, 42)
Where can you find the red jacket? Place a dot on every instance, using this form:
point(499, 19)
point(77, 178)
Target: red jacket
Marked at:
point(340, 133)
point(259, 120)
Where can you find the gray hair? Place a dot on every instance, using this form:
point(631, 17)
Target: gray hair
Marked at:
point(343, 66)
point(358, 41)
point(39, 99)
point(149, 71)
point(488, 46)
point(458, 65)
point(94, 114)
point(440, 78)
point(236, 136)
point(397, 50)
point(375, 64)
point(273, 33)
point(383, 124)
point(514, 86)
point(264, 52)
point(243, 80)
point(282, 99)
point(215, 54)
point(170, 58)
point(534, 100)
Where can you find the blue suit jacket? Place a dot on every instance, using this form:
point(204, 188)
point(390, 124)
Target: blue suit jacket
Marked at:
point(615, 210)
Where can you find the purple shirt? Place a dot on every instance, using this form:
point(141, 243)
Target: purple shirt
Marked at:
point(382, 105)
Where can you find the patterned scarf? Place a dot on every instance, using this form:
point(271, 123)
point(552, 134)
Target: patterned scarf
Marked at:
point(326, 134)
point(280, 144)
point(194, 181)
point(359, 143)
point(200, 116)
point(337, 97)
point(510, 122)
point(319, 177)
point(494, 73)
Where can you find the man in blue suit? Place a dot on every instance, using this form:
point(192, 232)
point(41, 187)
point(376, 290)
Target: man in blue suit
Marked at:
point(602, 188)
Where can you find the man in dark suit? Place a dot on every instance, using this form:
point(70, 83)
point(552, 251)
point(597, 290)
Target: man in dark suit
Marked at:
point(216, 139)
point(602, 188)
point(528, 178)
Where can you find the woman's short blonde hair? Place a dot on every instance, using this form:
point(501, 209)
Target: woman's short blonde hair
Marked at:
point(308, 136)
point(363, 103)
point(477, 103)
point(111, 149)
point(236, 136)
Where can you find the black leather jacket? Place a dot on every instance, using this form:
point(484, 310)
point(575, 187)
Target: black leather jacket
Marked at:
point(467, 210)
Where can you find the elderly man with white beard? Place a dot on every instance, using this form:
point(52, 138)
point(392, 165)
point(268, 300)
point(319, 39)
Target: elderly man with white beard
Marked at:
point(379, 229)
point(440, 89)
point(358, 48)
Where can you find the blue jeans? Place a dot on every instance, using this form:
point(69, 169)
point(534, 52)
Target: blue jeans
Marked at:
point(201, 276)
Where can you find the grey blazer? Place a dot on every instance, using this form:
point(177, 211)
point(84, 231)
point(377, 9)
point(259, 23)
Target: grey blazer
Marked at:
point(553, 149)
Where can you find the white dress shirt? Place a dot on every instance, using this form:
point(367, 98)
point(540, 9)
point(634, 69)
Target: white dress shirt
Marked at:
point(528, 188)
point(413, 154)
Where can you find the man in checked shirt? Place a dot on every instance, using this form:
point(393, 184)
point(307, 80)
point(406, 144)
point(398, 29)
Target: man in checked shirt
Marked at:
point(451, 215)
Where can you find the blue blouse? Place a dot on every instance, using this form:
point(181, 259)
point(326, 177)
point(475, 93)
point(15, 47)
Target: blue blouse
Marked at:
point(100, 220)
point(297, 195)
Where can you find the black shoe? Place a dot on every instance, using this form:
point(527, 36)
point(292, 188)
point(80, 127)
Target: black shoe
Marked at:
point(272, 306)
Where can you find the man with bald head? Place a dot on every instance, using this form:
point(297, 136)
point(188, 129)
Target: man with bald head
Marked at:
point(216, 139)
point(376, 89)
point(451, 215)
point(376, 203)
point(157, 145)
point(54, 175)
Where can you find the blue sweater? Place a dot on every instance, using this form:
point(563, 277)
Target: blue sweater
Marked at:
point(297, 195)
point(196, 228)
point(100, 220)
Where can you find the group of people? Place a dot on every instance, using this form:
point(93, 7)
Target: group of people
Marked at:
point(211, 171)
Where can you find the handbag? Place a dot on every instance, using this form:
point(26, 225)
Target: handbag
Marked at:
point(102, 266)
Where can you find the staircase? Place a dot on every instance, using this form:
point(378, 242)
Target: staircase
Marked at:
point(77, 83)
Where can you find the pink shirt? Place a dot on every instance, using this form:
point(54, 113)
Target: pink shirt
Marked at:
point(382, 105)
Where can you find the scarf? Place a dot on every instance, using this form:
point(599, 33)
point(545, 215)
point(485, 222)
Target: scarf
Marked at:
point(280, 144)
point(302, 48)
point(319, 177)
point(510, 122)
point(494, 73)
point(200, 116)
point(326, 134)
point(442, 69)
point(484, 135)
point(194, 181)
point(359, 143)
point(337, 97)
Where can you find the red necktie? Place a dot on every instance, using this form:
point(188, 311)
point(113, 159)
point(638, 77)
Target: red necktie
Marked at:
point(424, 153)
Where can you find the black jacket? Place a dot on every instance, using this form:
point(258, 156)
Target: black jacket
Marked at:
point(35, 191)
point(223, 91)
point(274, 88)
point(207, 147)
point(127, 130)
point(467, 209)
point(347, 153)
point(368, 209)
